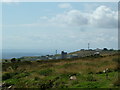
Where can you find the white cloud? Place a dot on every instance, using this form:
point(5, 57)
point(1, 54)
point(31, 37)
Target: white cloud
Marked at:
point(102, 17)
point(73, 17)
point(65, 5)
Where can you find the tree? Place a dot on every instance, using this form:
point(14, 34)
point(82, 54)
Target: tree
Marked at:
point(111, 49)
point(13, 60)
point(6, 60)
point(105, 49)
point(19, 60)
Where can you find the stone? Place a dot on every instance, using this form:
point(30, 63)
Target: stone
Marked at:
point(73, 78)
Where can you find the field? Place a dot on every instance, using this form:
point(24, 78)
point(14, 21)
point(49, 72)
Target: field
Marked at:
point(56, 73)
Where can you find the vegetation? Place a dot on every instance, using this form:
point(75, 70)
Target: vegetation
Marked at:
point(56, 73)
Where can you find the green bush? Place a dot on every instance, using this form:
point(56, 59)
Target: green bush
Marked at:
point(8, 76)
point(117, 83)
point(46, 72)
point(14, 66)
point(36, 78)
point(116, 60)
point(67, 75)
point(27, 62)
point(60, 84)
point(22, 75)
point(75, 82)
point(90, 78)
point(69, 65)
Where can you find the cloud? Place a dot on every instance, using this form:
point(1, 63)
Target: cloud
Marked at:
point(73, 17)
point(104, 17)
point(65, 5)
point(101, 17)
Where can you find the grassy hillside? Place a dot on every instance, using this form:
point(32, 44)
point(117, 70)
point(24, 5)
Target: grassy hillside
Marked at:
point(56, 73)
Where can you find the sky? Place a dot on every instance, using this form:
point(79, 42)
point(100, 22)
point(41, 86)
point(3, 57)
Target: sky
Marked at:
point(59, 26)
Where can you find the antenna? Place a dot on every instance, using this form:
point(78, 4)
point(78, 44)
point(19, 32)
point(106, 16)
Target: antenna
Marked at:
point(56, 51)
point(88, 46)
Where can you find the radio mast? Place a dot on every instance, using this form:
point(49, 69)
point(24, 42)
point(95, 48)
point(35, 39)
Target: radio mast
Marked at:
point(56, 51)
point(88, 46)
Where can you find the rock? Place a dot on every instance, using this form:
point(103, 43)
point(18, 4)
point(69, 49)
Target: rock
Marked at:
point(6, 85)
point(104, 71)
point(10, 87)
point(73, 78)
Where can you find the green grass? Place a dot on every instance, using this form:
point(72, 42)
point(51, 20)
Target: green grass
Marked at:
point(56, 74)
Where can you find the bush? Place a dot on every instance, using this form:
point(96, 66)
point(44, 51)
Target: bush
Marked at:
point(36, 78)
point(13, 60)
point(90, 78)
point(75, 82)
point(100, 72)
point(117, 83)
point(27, 62)
point(67, 75)
point(14, 66)
point(46, 72)
point(60, 84)
point(69, 65)
point(116, 60)
point(22, 75)
point(8, 76)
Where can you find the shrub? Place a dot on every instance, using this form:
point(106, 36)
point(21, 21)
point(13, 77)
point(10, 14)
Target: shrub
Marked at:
point(100, 72)
point(117, 83)
point(69, 65)
point(90, 78)
point(27, 62)
point(67, 75)
point(116, 60)
point(13, 60)
point(46, 72)
point(14, 66)
point(75, 82)
point(36, 78)
point(19, 60)
point(117, 68)
point(60, 84)
point(22, 75)
point(8, 76)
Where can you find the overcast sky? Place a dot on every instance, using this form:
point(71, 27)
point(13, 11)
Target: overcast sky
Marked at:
point(62, 26)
